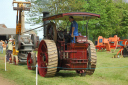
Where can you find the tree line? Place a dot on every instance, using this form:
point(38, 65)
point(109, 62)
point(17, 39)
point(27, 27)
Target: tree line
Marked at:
point(114, 15)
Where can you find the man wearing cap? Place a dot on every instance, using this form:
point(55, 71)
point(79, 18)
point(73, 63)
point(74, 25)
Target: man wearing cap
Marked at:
point(73, 29)
point(9, 51)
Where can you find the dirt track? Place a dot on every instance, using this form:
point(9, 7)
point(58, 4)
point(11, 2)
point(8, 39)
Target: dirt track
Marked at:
point(4, 81)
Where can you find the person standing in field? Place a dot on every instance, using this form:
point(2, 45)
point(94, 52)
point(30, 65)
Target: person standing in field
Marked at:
point(9, 50)
point(6, 42)
point(1, 46)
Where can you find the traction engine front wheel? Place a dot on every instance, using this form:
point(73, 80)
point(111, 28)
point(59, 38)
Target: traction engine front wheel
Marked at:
point(47, 58)
point(31, 61)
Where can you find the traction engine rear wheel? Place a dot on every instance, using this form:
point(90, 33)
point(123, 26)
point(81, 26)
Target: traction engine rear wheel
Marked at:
point(92, 59)
point(47, 58)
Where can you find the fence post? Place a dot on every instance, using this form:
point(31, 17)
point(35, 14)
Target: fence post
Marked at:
point(5, 63)
point(36, 74)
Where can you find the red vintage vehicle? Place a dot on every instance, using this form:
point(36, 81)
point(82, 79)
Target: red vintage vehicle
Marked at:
point(55, 55)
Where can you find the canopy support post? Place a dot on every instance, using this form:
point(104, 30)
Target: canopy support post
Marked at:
point(87, 28)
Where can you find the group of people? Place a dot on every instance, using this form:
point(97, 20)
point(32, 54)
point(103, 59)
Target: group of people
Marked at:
point(8, 45)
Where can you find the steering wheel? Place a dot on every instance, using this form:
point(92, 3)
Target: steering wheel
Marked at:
point(60, 29)
point(61, 35)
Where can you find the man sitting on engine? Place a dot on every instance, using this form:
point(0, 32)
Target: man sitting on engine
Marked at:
point(73, 29)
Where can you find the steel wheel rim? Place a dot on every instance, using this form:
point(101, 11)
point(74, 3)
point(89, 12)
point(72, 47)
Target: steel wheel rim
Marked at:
point(42, 58)
point(29, 61)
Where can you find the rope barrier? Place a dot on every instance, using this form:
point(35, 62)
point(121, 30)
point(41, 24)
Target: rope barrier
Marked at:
point(79, 68)
point(73, 68)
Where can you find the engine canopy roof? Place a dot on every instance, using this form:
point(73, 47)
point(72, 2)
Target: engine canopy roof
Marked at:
point(78, 16)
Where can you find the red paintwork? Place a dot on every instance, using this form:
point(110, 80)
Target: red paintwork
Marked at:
point(81, 39)
point(42, 65)
point(81, 13)
point(75, 57)
point(29, 59)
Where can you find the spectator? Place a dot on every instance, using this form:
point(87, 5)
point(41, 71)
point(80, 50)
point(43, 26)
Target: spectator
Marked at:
point(1, 46)
point(9, 51)
point(6, 42)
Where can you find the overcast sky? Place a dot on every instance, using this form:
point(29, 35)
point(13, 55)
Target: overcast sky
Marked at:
point(8, 16)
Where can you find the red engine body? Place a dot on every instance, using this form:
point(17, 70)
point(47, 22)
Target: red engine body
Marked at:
point(75, 57)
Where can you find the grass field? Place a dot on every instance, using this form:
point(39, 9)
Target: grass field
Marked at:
point(110, 71)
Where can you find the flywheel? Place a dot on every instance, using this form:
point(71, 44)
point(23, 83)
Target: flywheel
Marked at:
point(92, 59)
point(47, 58)
point(51, 31)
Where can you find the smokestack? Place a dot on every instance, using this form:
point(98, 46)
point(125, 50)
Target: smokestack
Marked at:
point(45, 14)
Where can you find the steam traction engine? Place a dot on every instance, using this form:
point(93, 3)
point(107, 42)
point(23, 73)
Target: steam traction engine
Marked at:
point(55, 54)
point(24, 44)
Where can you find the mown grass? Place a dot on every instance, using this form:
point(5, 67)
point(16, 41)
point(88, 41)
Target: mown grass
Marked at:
point(110, 71)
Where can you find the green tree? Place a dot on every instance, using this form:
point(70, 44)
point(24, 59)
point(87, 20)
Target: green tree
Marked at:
point(110, 21)
point(113, 15)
